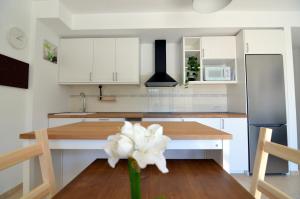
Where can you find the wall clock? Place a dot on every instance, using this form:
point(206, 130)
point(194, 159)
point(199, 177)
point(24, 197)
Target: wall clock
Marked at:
point(17, 38)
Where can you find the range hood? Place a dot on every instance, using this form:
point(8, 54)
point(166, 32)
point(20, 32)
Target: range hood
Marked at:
point(160, 77)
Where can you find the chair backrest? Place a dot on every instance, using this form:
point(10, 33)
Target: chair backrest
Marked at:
point(264, 148)
point(40, 149)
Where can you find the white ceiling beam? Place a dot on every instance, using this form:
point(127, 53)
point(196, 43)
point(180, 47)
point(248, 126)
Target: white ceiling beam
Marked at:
point(184, 20)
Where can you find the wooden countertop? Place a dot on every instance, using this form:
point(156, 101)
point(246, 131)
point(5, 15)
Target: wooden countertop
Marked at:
point(101, 130)
point(149, 115)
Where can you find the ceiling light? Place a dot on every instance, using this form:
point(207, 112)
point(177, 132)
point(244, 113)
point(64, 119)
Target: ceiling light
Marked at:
point(208, 6)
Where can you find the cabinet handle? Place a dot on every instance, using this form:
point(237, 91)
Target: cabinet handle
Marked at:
point(247, 47)
point(113, 76)
point(202, 52)
point(116, 76)
point(90, 76)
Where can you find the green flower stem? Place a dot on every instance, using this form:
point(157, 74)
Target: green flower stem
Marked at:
point(135, 179)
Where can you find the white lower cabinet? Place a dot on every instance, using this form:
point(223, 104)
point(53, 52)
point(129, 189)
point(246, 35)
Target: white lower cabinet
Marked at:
point(162, 120)
point(53, 122)
point(104, 120)
point(72, 162)
point(239, 143)
point(69, 163)
point(75, 161)
point(211, 122)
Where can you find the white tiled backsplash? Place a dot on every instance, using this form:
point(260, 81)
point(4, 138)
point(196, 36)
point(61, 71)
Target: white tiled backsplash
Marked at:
point(197, 98)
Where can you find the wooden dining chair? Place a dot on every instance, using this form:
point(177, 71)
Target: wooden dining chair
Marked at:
point(40, 149)
point(264, 148)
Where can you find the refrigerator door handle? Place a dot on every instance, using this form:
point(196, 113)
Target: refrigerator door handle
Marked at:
point(267, 125)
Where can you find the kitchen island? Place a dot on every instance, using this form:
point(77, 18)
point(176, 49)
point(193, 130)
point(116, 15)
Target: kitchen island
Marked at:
point(92, 136)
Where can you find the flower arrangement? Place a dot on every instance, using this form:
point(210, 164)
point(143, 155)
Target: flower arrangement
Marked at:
point(142, 146)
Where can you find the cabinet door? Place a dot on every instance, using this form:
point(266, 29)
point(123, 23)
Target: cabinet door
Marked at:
point(127, 60)
point(218, 47)
point(162, 119)
point(104, 120)
point(238, 159)
point(211, 122)
point(104, 60)
point(264, 41)
point(75, 60)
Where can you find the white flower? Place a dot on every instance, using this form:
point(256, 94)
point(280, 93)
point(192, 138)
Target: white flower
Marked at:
point(146, 146)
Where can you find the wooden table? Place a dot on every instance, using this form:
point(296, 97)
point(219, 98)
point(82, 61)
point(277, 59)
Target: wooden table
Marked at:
point(93, 135)
point(101, 130)
point(187, 179)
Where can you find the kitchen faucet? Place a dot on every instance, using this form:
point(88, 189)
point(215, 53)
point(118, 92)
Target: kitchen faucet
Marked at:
point(82, 95)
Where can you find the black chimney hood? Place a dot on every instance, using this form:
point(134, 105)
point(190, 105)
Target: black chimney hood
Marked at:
point(160, 77)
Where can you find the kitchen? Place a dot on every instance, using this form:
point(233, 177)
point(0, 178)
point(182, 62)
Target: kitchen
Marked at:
point(221, 104)
point(163, 97)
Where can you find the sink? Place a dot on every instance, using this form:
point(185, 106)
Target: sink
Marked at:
point(80, 113)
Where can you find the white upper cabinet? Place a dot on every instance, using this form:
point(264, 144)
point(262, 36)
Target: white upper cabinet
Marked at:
point(99, 61)
point(219, 47)
point(127, 60)
point(75, 60)
point(264, 41)
point(104, 60)
point(209, 60)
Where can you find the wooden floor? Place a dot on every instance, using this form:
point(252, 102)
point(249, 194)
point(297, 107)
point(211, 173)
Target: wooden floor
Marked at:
point(290, 184)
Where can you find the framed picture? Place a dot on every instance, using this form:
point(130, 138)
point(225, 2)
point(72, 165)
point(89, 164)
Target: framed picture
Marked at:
point(50, 52)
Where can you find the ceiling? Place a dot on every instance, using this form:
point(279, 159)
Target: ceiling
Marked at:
point(146, 35)
point(124, 6)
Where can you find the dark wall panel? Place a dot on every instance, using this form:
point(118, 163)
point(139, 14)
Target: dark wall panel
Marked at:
point(13, 72)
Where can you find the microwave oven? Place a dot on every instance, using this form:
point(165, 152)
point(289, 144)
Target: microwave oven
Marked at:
point(217, 73)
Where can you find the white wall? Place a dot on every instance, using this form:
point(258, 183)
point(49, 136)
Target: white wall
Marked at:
point(296, 53)
point(23, 110)
point(236, 93)
point(48, 96)
point(206, 98)
point(12, 100)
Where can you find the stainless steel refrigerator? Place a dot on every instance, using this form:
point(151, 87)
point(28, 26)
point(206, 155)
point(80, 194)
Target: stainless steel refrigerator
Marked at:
point(266, 105)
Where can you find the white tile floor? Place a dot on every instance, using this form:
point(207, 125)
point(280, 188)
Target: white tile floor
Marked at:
point(288, 184)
